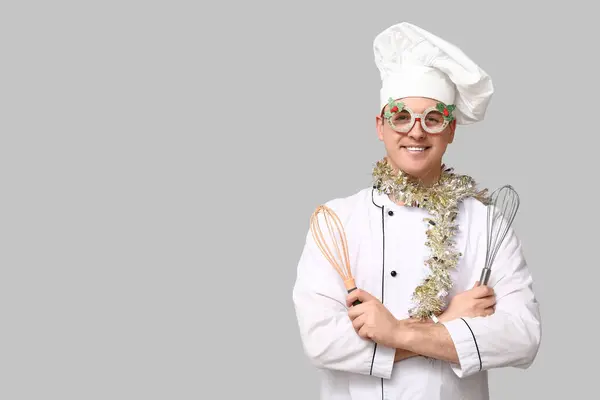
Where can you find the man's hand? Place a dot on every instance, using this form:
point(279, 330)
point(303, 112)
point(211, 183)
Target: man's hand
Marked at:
point(480, 301)
point(371, 319)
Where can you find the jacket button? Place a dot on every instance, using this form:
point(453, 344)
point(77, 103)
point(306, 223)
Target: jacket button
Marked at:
point(393, 273)
point(390, 213)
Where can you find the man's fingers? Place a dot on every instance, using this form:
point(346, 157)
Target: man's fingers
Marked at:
point(481, 306)
point(482, 291)
point(363, 332)
point(489, 311)
point(358, 322)
point(358, 294)
point(356, 311)
point(352, 297)
point(488, 301)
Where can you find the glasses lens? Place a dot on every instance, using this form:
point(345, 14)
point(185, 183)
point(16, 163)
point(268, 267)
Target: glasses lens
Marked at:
point(401, 121)
point(434, 122)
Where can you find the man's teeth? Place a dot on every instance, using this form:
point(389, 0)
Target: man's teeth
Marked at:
point(415, 148)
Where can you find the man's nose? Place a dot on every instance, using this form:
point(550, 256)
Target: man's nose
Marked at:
point(417, 131)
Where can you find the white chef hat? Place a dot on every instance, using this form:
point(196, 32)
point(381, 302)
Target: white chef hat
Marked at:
point(415, 63)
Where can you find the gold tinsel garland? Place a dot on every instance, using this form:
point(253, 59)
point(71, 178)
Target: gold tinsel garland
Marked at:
point(442, 201)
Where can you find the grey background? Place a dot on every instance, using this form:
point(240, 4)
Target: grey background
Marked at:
point(159, 161)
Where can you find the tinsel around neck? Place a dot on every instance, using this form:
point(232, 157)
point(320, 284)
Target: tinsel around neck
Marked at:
point(441, 200)
point(412, 192)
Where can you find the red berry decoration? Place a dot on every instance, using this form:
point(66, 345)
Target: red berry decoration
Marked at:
point(446, 110)
point(393, 107)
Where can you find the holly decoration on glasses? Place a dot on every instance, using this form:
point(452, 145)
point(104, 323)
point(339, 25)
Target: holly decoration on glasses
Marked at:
point(446, 111)
point(393, 107)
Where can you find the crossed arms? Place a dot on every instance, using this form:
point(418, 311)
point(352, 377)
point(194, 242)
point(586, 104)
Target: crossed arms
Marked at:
point(411, 337)
point(472, 335)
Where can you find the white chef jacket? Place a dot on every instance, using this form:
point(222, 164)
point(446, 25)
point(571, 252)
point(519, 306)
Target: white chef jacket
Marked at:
point(387, 253)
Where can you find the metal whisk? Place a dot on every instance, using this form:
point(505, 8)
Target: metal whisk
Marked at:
point(501, 213)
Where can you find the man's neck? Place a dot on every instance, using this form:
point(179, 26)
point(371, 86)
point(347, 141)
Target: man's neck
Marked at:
point(430, 179)
point(427, 179)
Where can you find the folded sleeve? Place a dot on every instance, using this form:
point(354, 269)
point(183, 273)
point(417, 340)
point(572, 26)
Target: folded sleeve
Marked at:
point(511, 336)
point(328, 337)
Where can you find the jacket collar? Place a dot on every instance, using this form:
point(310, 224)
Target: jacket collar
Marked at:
point(382, 200)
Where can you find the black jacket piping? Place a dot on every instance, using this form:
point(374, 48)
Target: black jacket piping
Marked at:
point(476, 346)
point(382, 273)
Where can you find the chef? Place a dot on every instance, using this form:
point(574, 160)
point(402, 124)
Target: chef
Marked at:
point(424, 327)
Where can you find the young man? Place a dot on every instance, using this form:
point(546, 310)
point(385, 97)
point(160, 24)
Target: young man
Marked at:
point(425, 328)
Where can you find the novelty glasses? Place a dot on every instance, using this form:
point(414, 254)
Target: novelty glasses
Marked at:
point(433, 120)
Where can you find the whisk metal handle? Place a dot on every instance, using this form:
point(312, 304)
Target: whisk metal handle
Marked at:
point(485, 276)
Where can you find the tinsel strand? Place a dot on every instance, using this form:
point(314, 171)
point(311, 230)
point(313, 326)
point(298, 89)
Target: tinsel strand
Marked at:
point(442, 201)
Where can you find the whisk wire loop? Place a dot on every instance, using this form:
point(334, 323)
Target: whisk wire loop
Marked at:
point(336, 252)
point(501, 213)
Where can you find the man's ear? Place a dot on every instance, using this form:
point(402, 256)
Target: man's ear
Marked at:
point(379, 127)
point(452, 131)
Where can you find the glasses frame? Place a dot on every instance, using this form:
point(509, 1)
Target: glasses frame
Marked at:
point(397, 107)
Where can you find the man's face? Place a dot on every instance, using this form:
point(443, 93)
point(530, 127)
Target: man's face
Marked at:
point(416, 152)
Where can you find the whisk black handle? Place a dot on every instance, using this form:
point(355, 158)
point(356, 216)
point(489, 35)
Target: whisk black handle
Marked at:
point(356, 302)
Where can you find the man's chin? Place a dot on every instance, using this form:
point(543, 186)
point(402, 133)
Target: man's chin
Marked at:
point(416, 169)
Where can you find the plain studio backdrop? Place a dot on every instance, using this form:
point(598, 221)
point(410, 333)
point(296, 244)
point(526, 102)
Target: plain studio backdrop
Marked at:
point(160, 161)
